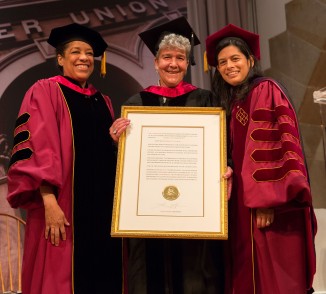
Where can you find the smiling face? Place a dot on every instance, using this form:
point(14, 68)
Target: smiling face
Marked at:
point(77, 61)
point(171, 65)
point(233, 65)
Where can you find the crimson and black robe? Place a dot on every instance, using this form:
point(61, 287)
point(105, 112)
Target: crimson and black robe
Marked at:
point(62, 140)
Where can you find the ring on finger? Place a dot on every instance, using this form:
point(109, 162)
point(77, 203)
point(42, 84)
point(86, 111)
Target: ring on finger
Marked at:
point(115, 131)
point(268, 222)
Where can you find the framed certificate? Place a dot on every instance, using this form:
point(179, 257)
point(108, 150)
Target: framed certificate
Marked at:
point(169, 174)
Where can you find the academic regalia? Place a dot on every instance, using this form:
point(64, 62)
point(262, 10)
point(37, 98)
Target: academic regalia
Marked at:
point(184, 94)
point(170, 265)
point(166, 266)
point(62, 140)
point(269, 172)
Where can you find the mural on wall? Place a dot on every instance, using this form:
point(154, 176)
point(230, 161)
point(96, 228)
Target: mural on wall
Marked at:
point(26, 57)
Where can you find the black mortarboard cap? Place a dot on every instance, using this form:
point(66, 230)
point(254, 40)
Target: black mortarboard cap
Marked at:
point(76, 32)
point(180, 26)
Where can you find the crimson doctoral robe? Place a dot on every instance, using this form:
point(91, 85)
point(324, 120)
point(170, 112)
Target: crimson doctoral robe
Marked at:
point(269, 172)
point(62, 140)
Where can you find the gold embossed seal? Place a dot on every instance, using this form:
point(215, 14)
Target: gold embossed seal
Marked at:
point(171, 193)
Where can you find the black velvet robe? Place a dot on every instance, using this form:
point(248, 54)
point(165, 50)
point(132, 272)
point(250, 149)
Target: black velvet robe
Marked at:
point(166, 266)
point(97, 257)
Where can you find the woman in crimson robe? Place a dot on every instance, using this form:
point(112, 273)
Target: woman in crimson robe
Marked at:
point(62, 171)
point(271, 219)
point(163, 266)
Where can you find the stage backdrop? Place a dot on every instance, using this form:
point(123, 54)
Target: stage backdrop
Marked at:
point(26, 57)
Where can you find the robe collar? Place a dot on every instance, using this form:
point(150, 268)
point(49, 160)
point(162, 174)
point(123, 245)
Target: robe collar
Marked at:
point(72, 85)
point(181, 89)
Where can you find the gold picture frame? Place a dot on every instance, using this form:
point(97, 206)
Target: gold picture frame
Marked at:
point(169, 180)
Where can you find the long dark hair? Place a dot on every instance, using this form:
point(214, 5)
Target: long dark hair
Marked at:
point(224, 91)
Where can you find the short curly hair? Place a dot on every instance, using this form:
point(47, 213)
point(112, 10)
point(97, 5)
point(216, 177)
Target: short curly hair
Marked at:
point(174, 41)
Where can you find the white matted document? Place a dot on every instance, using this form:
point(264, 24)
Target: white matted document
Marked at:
point(169, 174)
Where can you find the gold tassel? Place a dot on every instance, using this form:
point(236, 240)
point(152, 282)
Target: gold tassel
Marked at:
point(205, 62)
point(103, 65)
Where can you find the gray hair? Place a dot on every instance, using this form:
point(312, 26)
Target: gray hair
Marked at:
point(172, 41)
